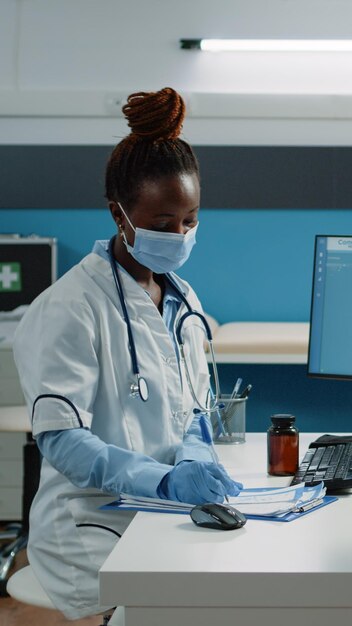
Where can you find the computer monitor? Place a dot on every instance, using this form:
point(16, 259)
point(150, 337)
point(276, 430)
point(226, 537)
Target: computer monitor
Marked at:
point(330, 342)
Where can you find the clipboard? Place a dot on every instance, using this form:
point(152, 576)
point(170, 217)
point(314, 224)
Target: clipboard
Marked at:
point(291, 516)
point(287, 517)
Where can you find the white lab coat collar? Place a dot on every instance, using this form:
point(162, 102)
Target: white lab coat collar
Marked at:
point(135, 295)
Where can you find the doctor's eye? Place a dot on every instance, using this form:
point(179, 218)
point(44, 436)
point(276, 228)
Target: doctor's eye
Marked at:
point(190, 223)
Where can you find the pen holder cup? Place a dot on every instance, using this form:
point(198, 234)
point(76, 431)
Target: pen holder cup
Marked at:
point(229, 421)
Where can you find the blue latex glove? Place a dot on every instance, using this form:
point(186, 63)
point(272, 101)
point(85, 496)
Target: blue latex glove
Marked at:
point(196, 482)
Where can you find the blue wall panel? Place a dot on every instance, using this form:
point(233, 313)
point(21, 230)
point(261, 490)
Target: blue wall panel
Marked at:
point(319, 405)
point(247, 265)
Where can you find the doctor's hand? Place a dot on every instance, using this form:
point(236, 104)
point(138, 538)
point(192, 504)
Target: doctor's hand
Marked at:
point(196, 482)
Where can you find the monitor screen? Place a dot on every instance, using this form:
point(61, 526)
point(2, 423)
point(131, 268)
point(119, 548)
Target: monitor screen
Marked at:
point(330, 343)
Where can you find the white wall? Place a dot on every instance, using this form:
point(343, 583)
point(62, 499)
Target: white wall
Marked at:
point(63, 61)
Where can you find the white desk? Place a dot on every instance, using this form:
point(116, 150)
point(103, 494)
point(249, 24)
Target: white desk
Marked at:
point(14, 419)
point(167, 571)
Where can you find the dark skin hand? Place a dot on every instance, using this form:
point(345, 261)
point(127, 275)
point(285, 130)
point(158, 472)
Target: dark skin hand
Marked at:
point(170, 205)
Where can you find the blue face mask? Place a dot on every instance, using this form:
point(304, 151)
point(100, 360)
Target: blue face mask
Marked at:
point(160, 252)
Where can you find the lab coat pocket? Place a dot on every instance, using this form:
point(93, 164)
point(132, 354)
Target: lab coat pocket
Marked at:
point(97, 530)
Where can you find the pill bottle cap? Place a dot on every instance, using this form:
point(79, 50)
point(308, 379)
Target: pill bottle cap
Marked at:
point(282, 419)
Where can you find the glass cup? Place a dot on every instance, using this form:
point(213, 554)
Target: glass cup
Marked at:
point(229, 421)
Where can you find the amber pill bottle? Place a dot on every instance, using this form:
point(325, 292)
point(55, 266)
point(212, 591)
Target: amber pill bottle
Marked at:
point(282, 441)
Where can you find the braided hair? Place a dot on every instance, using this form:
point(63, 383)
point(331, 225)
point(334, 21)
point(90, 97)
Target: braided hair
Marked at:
point(153, 149)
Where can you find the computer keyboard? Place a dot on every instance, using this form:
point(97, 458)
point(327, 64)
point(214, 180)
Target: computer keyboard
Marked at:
point(329, 458)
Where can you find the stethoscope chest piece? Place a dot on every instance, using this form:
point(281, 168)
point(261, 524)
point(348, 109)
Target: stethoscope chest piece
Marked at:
point(140, 389)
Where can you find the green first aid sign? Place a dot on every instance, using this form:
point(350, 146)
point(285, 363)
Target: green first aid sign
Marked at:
point(10, 277)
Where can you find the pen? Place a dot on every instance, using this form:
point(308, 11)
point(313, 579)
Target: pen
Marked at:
point(236, 388)
point(233, 396)
point(245, 393)
point(218, 415)
point(207, 438)
point(243, 396)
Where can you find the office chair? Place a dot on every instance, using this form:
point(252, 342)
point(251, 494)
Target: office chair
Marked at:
point(24, 587)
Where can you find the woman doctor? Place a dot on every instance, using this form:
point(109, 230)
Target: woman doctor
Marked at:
point(73, 353)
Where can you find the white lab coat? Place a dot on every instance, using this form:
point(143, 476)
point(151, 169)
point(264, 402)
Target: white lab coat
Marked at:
point(71, 350)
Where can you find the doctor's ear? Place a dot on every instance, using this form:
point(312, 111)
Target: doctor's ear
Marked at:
point(116, 213)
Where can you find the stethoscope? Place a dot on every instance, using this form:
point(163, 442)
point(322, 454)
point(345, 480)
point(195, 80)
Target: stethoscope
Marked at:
point(140, 386)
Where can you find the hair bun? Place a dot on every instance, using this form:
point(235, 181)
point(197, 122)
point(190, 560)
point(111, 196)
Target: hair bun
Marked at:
point(155, 115)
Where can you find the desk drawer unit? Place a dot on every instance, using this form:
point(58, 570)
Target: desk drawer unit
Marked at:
point(11, 475)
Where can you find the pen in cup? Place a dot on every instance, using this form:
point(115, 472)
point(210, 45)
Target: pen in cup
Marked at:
point(220, 425)
point(207, 438)
point(233, 396)
point(245, 393)
point(236, 388)
point(234, 399)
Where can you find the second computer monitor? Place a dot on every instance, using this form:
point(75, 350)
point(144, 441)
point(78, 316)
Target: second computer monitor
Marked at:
point(330, 344)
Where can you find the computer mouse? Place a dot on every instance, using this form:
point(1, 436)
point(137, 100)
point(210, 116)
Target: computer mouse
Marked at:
point(218, 516)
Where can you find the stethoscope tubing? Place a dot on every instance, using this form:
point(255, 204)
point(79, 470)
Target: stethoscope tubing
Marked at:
point(178, 331)
point(126, 316)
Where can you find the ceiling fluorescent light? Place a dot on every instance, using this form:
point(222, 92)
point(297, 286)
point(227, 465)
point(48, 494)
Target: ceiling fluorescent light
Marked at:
point(268, 45)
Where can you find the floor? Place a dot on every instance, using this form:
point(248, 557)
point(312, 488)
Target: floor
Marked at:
point(13, 613)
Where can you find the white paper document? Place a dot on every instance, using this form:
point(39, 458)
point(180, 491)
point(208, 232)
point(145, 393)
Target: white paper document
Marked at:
point(267, 502)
